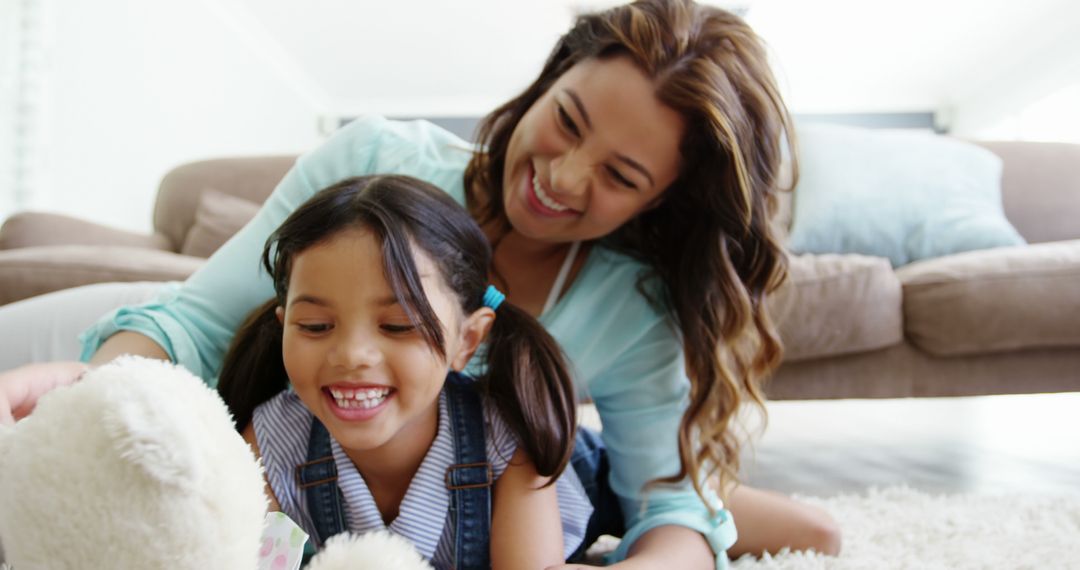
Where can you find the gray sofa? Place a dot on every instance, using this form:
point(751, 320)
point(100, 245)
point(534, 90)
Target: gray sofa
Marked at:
point(994, 321)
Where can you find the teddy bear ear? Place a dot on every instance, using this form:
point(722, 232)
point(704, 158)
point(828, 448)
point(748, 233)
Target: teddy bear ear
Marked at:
point(368, 551)
point(146, 437)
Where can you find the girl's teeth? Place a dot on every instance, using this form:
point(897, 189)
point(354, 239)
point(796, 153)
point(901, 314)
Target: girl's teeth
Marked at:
point(544, 198)
point(346, 398)
point(366, 403)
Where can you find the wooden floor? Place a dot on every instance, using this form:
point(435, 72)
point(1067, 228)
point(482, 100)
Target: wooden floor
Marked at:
point(1026, 443)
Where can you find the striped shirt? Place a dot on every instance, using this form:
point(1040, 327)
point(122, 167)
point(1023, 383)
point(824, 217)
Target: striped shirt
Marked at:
point(283, 426)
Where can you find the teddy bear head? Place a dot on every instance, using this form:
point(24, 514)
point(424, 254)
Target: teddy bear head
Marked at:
point(137, 465)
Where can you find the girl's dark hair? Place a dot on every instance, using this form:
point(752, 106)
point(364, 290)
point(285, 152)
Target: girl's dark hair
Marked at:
point(709, 240)
point(525, 373)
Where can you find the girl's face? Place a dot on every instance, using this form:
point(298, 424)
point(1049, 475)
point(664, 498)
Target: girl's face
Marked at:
point(592, 152)
point(351, 353)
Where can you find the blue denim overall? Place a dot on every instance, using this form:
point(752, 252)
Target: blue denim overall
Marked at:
point(469, 481)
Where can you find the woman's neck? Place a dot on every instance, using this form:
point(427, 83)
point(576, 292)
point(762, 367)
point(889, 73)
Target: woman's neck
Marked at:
point(526, 270)
point(388, 470)
point(513, 244)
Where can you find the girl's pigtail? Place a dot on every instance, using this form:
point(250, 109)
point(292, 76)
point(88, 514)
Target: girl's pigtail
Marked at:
point(528, 381)
point(253, 371)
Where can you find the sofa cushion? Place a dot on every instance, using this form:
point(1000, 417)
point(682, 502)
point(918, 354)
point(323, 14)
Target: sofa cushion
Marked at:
point(837, 304)
point(994, 300)
point(901, 195)
point(217, 218)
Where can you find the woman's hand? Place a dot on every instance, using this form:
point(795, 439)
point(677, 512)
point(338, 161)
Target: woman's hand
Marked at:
point(21, 388)
point(624, 565)
point(661, 548)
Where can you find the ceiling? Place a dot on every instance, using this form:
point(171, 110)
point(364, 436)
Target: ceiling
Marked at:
point(428, 57)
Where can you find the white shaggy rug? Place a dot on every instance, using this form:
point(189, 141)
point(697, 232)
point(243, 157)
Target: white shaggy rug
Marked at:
point(898, 527)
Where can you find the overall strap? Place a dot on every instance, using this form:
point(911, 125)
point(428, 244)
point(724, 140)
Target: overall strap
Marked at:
point(469, 480)
point(318, 480)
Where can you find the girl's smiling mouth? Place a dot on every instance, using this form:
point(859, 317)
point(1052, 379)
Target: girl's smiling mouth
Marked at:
point(358, 403)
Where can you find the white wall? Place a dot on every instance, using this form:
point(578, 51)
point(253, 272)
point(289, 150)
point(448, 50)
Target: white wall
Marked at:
point(419, 57)
point(138, 86)
point(1039, 63)
point(12, 53)
point(971, 61)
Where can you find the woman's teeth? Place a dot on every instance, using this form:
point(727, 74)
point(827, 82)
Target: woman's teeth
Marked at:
point(544, 198)
point(365, 398)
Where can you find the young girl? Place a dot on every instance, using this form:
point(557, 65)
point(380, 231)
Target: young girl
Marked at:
point(350, 385)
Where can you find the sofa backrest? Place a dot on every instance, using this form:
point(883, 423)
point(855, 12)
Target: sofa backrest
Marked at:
point(249, 178)
point(1040, 188)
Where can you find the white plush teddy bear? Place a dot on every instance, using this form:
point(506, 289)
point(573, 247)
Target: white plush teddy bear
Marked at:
point(138, 466)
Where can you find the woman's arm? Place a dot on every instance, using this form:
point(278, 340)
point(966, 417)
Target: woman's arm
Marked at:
point(526, 530)
point(641, 395)
point(670, 546)
point(663, 547)
point(128, 342)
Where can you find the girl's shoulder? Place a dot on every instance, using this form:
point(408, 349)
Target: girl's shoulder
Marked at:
point(502, 442)
point(282, 425)
point(285, 403)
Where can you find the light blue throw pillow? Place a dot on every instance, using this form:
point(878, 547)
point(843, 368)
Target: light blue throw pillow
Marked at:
point(901, 195)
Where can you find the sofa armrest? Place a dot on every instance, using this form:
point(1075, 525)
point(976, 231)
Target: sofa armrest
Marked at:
point(31, 271)
point(33, 229)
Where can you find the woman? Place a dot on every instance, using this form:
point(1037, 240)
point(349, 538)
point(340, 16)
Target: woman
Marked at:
point(626, 193)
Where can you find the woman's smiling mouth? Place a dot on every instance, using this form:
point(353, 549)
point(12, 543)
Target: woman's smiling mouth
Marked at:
point(541, 202)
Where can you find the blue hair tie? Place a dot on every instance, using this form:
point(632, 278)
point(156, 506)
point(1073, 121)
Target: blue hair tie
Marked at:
point(493, 297)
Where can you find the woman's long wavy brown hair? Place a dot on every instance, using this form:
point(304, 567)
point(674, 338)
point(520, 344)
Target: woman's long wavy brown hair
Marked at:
point(709, 241)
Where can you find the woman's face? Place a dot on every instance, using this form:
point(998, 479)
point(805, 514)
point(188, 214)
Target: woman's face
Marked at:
point(352, 354)
point(592, 152)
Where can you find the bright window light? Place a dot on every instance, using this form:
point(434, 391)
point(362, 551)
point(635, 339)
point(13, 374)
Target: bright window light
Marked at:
point(1055, 118)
